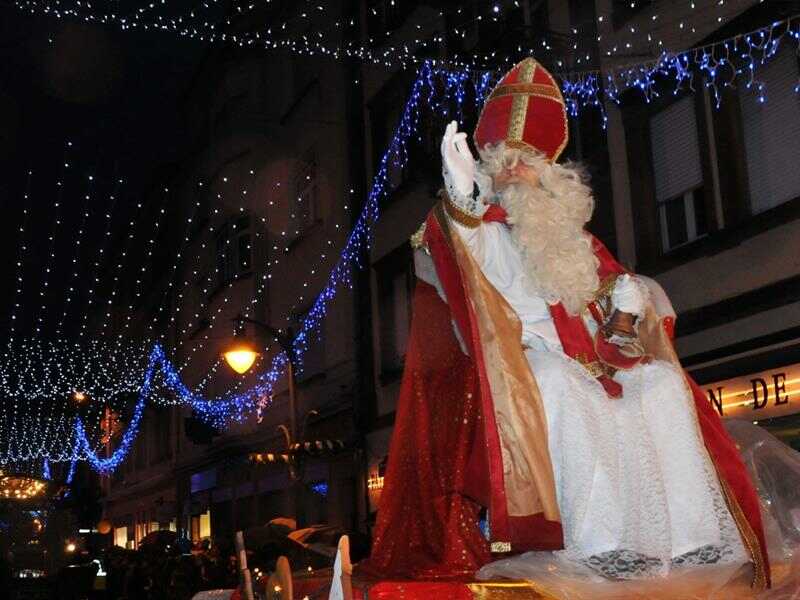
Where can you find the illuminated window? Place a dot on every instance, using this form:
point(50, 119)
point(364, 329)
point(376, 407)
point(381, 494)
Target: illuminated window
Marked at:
point(205, 525)
point(195, 529)
point(121, 537)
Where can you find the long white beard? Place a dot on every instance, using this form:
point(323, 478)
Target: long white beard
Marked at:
point(556, 251)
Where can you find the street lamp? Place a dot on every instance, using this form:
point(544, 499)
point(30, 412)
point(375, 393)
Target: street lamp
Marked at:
point(240, 356)
point(241, 353)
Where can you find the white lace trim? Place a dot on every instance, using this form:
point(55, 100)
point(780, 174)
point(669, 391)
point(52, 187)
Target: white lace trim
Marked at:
point(636, 487)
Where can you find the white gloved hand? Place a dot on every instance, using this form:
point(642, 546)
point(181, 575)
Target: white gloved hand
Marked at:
point(458, 170)
point(629, 295)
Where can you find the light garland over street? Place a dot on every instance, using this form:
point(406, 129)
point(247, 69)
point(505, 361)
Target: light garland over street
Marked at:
point(315, 29)
point(44, 377)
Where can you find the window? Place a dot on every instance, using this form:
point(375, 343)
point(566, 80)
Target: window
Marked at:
point(201, 526)
point(234, 250)
point(772, 133)
point(304, 206)
point(395, 284)
point(678, 174)
point(683, 218)
point(121, 537)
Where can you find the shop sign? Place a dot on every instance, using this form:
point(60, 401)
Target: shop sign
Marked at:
point(765, 395)
point(204, 480)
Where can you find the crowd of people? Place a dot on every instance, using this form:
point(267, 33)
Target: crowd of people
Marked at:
point(161, 574)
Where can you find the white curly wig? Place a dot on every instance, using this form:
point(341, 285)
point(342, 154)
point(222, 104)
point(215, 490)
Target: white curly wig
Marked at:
point(548, 225)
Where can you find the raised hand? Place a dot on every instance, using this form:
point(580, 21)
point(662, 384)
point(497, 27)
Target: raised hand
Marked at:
point(458, 164)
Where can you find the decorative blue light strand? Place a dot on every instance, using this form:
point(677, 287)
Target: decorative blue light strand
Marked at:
point(107, 465)
point(237, 407)
point(714, 63)
point(71, 473)
point(719, 65)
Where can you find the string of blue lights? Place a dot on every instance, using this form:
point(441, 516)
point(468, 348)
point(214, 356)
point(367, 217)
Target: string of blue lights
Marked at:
point(725, 64)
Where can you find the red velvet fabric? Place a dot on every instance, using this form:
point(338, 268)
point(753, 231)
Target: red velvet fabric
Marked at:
point(393, 590)
point(577, 343)
point(427, 528)
point(545, 126)
point(485, 464)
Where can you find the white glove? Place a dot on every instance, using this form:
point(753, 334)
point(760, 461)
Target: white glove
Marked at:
point(458, 170)
point(629, 295)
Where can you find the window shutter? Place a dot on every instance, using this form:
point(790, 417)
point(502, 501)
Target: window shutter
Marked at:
point(772, 133)
point(676, 150)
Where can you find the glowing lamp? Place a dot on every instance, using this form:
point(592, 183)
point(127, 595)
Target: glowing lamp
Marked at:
point(70, 547)
point(240, 356)
point(79, 396)
point(104, 527)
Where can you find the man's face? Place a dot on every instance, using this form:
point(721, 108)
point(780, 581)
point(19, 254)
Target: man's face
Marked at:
point(520, 173)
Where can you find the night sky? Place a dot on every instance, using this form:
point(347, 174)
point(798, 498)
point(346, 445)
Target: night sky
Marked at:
point(117, 97)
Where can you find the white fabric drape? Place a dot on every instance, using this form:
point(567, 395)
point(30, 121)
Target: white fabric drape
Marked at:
point(637, 490)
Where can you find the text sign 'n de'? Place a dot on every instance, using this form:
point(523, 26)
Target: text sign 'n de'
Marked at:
point(762, 395)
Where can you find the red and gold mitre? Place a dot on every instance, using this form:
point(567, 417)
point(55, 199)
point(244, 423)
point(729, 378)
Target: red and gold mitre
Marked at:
point(525, 110)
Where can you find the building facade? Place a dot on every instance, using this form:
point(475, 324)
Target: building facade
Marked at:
point(704, 198)
point(707, 199)
point(261, 210)
point(700, 196)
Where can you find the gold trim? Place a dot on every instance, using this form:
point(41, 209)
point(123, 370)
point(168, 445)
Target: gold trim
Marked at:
point(458, 214)
point(500, 546)
point(606, 287)
point(517, 405)
point(602, 297)
point(748, 535)
point(519, 103)
point(540, 90)
point(522, 590)
point(417, 240)
point(596, 368)
point(511, 143)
